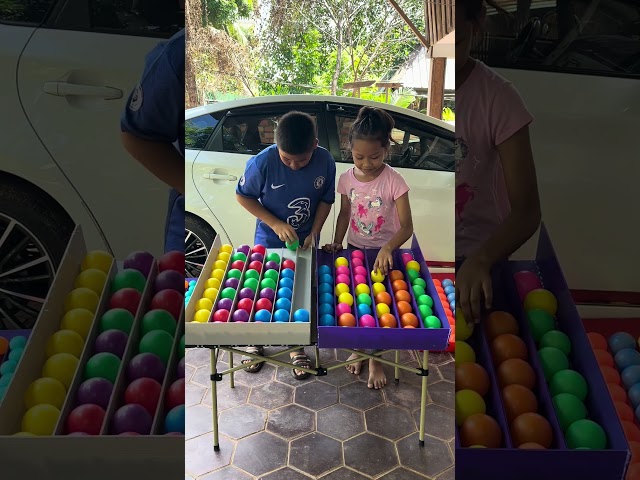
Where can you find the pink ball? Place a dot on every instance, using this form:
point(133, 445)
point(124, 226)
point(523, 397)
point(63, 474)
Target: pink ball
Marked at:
point(357, 254)
point(407, 257)
point(343, 271)
point(342, 308)
point(361, 279)
point(360, 271)
point(343, 279)
point(367, 321)
point(357, 262)
point(526, 281)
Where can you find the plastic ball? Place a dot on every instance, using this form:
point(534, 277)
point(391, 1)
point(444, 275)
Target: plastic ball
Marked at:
point(112, 341)
point(347, 320)
point(471, 376)
point(9, 366)
point(289, 264)
point(218, 274)
point(103, 365)
point(62, 367)
point(130, 278)
point(377, 276)
point(569, 381)
point(45, 391)
point(286, 283)
point(168, 300)
point(233, 283)
point(41, 420)
point(139, 260)
point(251, 284)
point(526, 281)
point(531, 427)
point(5, 380)
point(240, 315)
point(464, 353)
point(620, 341)
point(364, 309)
point(364, 299)
point(118, 318)
point(145, 392)
point(327, 320)
point(325, 288)
point(131, 418)
point(360, 279)
point(81, 298)
point(211, 283)
point(301, 315)
point(287, 273)
point(557, 339)
point(175, 394)
point(283, 304)
point(341, 262)
point(630, 376)
point(425, 311)
point(93, 279)
point(325, 298)
point(387, 320)
point(127, 299)
point(256, 257)
point(202, 316)
point(341, 288)
point(425, 300)
point(264, 304)
point(282, 315)
point(603, 358)
point(627, 357)
point(382, 308)
point(586, 434)
point(210, 294)
point(357, 254)
point(342, 308)
point(468, 403)
point(224, 256)
point(174, 421)
point(263, 316)
point(65, 341)
point(553, 361)
point(86, 418)
point(173, 260)
point(541, 299)
point(157, 342)
point(96, 391)
point(146, 365)
point(98, 259)
point(346, 298)
point(499, 323)
point(324, 270)
point(504, 347)
point(432, 322)
point(180, 368)
point(610, 375)
point(597, 341)
point(255, 266)
point(378, 288)
point(363, 289)
point(568, 409)
point(16, 354)
point(480, 430)
point(517, 400)
point(634, 395)
point(515, 371)
point(367, 320)
point(79, 320)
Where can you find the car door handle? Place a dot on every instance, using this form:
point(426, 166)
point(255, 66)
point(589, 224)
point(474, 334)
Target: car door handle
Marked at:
point(65, 89)
point(218, 176)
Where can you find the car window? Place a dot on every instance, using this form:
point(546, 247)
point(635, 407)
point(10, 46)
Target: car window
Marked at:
point(197, 131)
point(412, 145)
point(154, 18)
point(26, 12)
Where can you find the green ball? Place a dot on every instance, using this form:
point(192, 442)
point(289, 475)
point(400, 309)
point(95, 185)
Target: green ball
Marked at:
point(117, 319)
point(238, 256)
point(273, 257)
point(586, 434)
point(272, 274)
point(540, 322)
point(251, 283)
point(157, 342)
point(294, 245)
point(268, 283)
point(425, 300)
point(432, 322)
point(419, 291)
point(553, 361)
point(419, 281)
point(234, 273)
point(364, 298)
point(569, 409)
point(569, 381)
point(251, 274)
point(425, 311)
point(229, 293)
point(158, 320)
point(558, 339)
point(128, 278)
point(181, 346)
point(412, 274)
point(103, 365)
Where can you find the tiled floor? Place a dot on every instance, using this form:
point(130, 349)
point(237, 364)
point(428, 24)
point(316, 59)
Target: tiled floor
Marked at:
point(273, 427)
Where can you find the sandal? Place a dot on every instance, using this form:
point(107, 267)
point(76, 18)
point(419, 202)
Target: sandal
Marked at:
point(300, 360)
point(256, 367)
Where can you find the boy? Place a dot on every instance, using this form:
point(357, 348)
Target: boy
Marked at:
point(289, 187)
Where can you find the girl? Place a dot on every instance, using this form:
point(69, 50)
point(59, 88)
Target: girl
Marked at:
point(497, 203)
point(374, 204)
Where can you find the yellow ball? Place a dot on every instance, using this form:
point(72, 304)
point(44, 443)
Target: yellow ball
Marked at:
point(220, 265)
point(224, 256)
point(346, 298)
point(65, 341)
point(218, 274)
point(377, 276)
point(81, 298)
point(382, 308)
point(363, 288)
point(378, 288)
point(464, 352)
point(341, 262)
point(413, 265)
point(226, 248)
point(211, 294)
point(202, 316)
point(342, 288)
point(212, 283)
point(463, 329)
point(93, 279)
point(541, 299)
point(79, 320)
point(41, 420)
point(45, 391)
point(98, 259)
point(204, 304)
point(468, 403)
point(62, 367)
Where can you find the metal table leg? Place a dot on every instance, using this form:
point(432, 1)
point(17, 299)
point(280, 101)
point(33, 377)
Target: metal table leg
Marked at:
point(214, 397)
point(231, 375)
point(423, 400)
point(397, 370)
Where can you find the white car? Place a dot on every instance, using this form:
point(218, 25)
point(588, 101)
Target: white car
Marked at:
point(66, 76)
point(222, 137)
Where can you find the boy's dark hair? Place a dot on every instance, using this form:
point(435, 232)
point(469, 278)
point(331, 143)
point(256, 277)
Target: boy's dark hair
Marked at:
point(296, 133)
point(372, 124)
point(473, 9)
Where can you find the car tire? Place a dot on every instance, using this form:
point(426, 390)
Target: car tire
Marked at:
point(199, 236)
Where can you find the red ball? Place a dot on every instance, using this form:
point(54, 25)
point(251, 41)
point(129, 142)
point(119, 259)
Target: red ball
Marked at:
point(144, 391)
point(257, 266)
point(127, 298)
point(264, 304)
point(175, 394)
point(169, 300)
point(259, 249)
point(245, 304)
point(87, 418)
point(289, 264)
point(238, 264)
point(221, 315)
point(172, 261)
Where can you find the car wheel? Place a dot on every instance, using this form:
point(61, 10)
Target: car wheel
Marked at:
point(199, 237)
point(33, 239)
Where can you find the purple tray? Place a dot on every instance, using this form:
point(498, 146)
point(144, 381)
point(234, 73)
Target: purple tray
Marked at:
point(559, 461)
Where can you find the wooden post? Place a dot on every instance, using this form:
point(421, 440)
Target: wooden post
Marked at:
point(435, 99)
point(388, 86)
point(356, 86)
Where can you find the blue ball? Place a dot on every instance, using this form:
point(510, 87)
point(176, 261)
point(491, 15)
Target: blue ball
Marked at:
point(447, 283)
point(287, 293)
point(634, 395)
point(301, 315)
point(627, 357)
point(630, 376)
point(327, 321)
point(174, 421)
point(192, 284)
point(8, 367)
point(324, 270)
point(288, 273)
point(326, 279)
point(452, 305)
point(281, 315)
point(621, 340)
point(17, 342)
point(15, 354)
point(449, 289)
point(326, 298)
point(286, 283)
point(326, 309)
point(6, 379)
point(364, 309)
point(263, 316)
point(325, 288)
point(283, 304)
point(451, 297)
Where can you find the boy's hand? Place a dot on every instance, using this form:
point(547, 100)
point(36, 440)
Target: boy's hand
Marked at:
point(308, 242)
point(473, 282)
point(384, 261)
point(332, 247)
point(285, 232)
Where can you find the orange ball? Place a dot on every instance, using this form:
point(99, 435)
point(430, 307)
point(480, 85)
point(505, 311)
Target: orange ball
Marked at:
point(531, 427)
point(388, 320)
point(480, 429)
point(447, 311)
point(631, 431)
point(634, 447)
point(443, 298)
point(452, 339)
point(624, 411)
point(597, 341)
point(610, 374)
point(439, 289)
point(451, 319)
point(408, 326)
point(531, 446)
point(409, 320)
point(4, 345)
point(347, 320)
point(403, 307)
point(399, 285)
point(604, 358)
point(472, 376)
point(516, 371)
point(453, 328)
point(403, 296)
point(396, 275)
point(383, 297)
point(617, 392)
point(499, 323)
point(518, 400)
point(633, 472)
point(508, 346)
point(437, 282)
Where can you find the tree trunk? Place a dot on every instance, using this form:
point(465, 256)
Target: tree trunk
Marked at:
point(336, 73)
point(193, 17)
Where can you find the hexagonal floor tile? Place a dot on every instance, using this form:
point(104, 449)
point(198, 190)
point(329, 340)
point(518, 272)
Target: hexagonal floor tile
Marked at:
point(344, 474)
point(341, 422)
point(197, 357)
point(438, 358)
point(227, 473)
point(285, 376)
point(291, 421)
point(327, 355)
point(193, 394)
point(260, 453)
point(265, 375)
point(443, 393)
point(359, 396)
point(200, 458)
point(434, 373)
point(452, 447)
point(316, 395)
point(406, 356)
point(228, 397)
point(404, 394)
point(339, 376)
point(402, 474)
point(271, 395)
point(285, 474)
point(448, 371)
point(188, 477)
point(389, 422)
point(370, 455)
point(188, 372)
point(448, 475)
point(202, 376)
point(315, 454)
point(430, 460)
point(198, 421)
point(439, 421)
point(410, 377)
point(239, 422)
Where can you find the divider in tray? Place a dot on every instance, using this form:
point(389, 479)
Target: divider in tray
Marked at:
point(222, 287)
point(369, 283)
point(205, 274)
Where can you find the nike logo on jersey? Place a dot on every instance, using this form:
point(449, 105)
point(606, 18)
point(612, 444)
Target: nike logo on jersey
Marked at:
point(274, 187)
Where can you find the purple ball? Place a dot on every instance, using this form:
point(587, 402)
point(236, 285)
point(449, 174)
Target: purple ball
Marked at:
point(170, 280)
point(141, 261)
point(240, 316)
point(267, 293)
point(112, 341)
point(232, 283)
point(146, 365)
point(132, 418)
point(257, 257)
point(95, 390)
point(244, 249)
point(225, 304)
point(246, 293)
point(271, 266)
point(180, 369)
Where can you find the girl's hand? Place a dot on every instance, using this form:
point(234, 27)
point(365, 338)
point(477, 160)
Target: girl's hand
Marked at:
point(308, 242)
point(473, 284)
point(332, 247)
point(285, 232)
point(384, 261)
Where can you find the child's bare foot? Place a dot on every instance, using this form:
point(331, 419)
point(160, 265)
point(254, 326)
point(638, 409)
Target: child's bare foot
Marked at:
point(377, 378)
point(356, 367)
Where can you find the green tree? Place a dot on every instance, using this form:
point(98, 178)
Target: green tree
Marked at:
point(222, 13)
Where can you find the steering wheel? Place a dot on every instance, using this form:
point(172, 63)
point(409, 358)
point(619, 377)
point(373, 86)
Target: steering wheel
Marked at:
point(526, 40)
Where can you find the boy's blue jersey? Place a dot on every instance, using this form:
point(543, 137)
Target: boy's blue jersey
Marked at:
point(290, 195)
